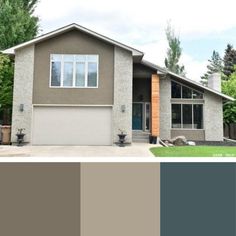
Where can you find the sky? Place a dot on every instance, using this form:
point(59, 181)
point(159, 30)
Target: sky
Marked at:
point(202, 26)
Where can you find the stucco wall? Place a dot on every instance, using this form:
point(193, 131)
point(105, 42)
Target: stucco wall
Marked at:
point(73, 42)
point(165, 108)
point(23, 86)
point(123, 77)
point(213, 117)
point(120, 199)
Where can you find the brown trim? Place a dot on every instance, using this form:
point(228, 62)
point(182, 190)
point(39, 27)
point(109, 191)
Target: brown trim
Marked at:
point(155, 105)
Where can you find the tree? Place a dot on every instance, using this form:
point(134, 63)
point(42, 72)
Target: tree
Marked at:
point(17, 25)
point(173, 52)
point(229, 88)
point(215, 65)
point(6, 87)
point(229, 60)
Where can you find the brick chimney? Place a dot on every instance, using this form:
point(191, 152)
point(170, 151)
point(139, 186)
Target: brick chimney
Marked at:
point(214, 81)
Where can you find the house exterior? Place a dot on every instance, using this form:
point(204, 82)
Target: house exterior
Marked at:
point(73, 86)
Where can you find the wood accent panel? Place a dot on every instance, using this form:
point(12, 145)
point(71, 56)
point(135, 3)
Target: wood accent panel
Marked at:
point(155, 105)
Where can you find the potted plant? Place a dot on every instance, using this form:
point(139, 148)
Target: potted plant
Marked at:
point(20, 136)
point(121, 136)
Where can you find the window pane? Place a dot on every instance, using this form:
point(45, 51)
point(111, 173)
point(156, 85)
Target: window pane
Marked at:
point(80, 58)
point(197, 95)
point(80, 74)
point(187, 116)
point(93, 58)
point(56, 74)
point(186, 92)
point(56, 57)
point(69, 58)
point(92, 74)
point(176, 116)
point(68, 74)
point(175, 90)
point(198, 116)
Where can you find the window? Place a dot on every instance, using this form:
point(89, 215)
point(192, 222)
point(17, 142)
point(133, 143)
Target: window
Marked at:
point(175, 90)
point(76, 71)
point(180, 91)
point(187, 116)
point(176, 116)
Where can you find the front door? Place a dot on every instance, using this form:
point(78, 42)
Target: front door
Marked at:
point(137, 123)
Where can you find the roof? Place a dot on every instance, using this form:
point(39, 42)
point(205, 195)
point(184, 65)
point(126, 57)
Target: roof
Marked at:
point(59, 31)
point(184, 79)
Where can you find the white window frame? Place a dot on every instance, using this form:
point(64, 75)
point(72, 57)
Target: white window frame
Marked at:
point(74, 70)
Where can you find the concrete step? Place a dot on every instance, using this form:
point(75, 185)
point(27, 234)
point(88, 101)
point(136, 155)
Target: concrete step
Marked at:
point(140, 137)
point(140, 140)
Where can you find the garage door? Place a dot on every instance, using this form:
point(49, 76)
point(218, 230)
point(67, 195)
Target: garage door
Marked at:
point(72, 126)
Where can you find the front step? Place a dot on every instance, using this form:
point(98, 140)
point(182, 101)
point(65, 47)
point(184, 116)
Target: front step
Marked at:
point(140, 136)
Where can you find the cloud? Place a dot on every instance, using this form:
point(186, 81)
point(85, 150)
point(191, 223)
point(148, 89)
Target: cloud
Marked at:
point(141, 24)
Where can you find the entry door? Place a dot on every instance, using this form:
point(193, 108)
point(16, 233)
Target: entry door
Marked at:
point(137, 123)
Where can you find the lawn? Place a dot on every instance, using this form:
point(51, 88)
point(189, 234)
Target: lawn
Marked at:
point(194, 151)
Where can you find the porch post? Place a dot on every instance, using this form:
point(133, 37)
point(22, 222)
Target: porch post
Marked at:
point(155, 105)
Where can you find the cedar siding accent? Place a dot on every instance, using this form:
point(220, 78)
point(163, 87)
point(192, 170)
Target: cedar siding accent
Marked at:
point(155, 105)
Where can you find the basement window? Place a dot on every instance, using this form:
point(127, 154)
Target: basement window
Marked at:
point(73, 71)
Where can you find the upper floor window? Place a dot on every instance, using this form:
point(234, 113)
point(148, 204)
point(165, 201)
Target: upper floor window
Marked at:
point(181, 91)
point(76, 71)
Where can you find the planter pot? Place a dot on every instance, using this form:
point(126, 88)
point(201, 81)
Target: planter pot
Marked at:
point(154, 139)
point(20, 139)
point(121, 139)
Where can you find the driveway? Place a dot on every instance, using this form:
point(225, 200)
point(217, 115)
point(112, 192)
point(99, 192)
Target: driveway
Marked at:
point(134, 150)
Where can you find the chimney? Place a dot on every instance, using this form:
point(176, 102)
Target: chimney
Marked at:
point(214, 81)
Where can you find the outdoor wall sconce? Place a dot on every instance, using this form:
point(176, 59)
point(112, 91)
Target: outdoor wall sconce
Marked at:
point(123, 108)
point(21, 107)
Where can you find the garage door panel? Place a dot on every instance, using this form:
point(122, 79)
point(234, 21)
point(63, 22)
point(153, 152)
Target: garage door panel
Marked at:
point(72, 126)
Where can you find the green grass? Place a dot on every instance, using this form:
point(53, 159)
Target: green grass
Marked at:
point(194, 151)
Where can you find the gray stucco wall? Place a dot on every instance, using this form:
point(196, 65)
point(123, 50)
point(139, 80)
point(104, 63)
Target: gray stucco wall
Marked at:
point(165, 108)
point(23, 89)
point(123, 79)
point(213, 117)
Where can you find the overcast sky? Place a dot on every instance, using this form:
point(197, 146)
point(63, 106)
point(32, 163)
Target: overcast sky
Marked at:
point(202, 26)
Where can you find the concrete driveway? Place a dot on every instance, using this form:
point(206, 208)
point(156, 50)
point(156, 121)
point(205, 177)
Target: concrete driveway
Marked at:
point(135, 150)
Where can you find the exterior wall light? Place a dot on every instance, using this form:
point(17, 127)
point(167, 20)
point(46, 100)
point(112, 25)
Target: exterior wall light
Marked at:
point(123, 108)
point(21, 107)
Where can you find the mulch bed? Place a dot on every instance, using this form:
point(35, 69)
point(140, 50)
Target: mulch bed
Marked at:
point(215, 143)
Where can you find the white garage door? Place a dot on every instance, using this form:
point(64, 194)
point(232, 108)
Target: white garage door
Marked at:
point(72, 126)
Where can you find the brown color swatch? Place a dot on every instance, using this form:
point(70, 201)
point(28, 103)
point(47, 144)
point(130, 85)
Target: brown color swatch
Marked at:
point(40, 199)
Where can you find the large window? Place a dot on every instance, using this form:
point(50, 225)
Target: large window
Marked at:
point(182, 92)
point(187, 116)
point(78, 71)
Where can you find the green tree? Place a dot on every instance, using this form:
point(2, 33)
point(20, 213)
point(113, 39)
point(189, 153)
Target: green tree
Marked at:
point(173, 52)
point(215, 65)
point(6, 87)
point(17, 25)
point(17, 22)
point(229, 60)
point(229, 88)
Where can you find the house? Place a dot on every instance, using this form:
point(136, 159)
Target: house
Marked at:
point(74, 86)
